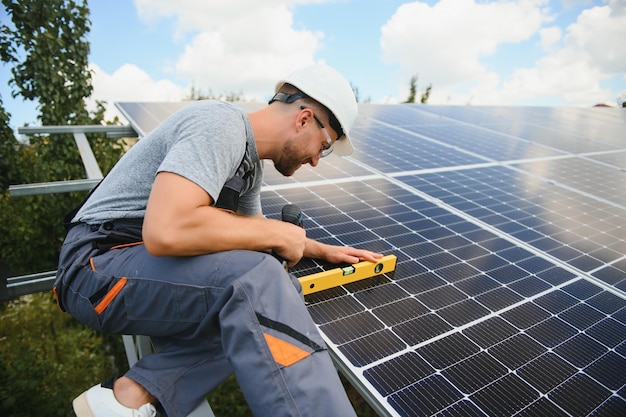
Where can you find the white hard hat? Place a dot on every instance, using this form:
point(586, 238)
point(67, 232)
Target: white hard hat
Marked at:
point(326, 86)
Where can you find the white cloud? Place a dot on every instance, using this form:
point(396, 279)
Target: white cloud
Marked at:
point(194, 15)
point(222, 56)
point(230, 60)
point(237, 46)
point(549, 37)
point(451, 44)
point(599, 33)
point(560, 75)
point(130, 83)
point(447, 43)
point(573, 74)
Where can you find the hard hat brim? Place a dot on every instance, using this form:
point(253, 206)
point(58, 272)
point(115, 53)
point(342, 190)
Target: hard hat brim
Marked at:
point(343, 146)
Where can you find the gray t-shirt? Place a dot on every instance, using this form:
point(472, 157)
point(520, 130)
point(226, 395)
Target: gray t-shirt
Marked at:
point(204, 142)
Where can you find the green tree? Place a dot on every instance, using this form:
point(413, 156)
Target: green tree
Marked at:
point(46, 358)
point(51, 35)
point(8, 144)
point(413, 91)
point(426, 94)
point(45, 44)
point(197, 94)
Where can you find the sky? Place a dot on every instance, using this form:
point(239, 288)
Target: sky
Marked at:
point(472, 52)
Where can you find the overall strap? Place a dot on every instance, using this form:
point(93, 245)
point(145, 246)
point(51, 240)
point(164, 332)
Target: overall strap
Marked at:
point(228, 199)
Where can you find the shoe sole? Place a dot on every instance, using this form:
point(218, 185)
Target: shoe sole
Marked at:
point(81, 406)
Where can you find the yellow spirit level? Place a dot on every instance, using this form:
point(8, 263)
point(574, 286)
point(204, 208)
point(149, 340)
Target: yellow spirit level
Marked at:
point(340, 276)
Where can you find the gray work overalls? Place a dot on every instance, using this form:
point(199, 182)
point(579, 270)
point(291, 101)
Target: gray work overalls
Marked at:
point(235, 311)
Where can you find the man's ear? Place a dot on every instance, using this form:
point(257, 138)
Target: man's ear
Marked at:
point(304, 116)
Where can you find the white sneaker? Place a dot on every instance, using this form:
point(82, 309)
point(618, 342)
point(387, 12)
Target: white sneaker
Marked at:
point(99, 401)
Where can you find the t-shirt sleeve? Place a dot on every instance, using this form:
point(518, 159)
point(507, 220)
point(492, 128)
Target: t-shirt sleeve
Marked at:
point(207, 147)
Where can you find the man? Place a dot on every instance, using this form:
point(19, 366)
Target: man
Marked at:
point(172, 244)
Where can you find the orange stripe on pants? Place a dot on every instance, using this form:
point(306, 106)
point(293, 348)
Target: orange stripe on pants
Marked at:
point(102, 305)
point(284, 353)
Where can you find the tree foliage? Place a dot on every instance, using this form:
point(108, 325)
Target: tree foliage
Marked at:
point(8, 144)
point(51, 36)
point(47, 49)
point(46, 358)
point(48, 52)
point(413, 91)
point(198, 94)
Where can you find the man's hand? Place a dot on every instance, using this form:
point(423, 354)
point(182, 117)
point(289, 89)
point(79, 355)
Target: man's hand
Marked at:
point(338, 254)
point(292, 245)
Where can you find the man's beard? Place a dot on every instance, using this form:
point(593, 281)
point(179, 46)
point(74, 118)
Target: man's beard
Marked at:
point(290, 160)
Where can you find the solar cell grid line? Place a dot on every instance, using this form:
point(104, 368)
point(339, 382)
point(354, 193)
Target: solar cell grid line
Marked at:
point(591, 124)
point(489, 143)
point(563, 141)
point(562, 132)
point(144, 117)
point(378, 148)
point(396, 115)
point(508, 296)
point(574, 223)
point(612, 274)
point(590, 178)
point(615, 159)
point(471, 114)
point(494, 145)
point(585, 122)
point(357, 347)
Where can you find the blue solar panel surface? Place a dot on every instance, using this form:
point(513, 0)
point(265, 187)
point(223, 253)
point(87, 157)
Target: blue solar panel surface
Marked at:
point(509, 296)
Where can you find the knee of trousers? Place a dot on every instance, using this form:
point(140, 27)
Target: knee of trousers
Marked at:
point(264, 304)
point(261, 271)
point(261, 282)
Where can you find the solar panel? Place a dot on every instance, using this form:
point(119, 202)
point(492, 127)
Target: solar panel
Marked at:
point(509, 296)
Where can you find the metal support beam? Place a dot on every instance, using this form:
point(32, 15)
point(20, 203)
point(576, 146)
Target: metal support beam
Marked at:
point(93, 172)
point(86, 154)
point(14, 287)
point(113, 130)
point(24, 190)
